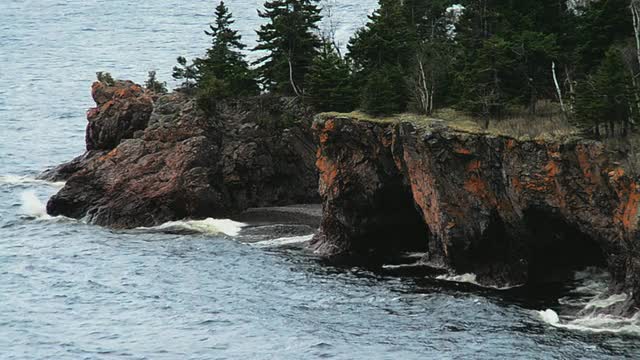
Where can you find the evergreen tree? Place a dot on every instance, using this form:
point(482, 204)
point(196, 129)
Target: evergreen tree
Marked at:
point(387, 39)
point(154, 85)
point(186, 72)
point(329, 83)
point(605, 100)
point(224, 60)
point(290, 41)
point(383, 92)
point(382, 53)
point(223, 71)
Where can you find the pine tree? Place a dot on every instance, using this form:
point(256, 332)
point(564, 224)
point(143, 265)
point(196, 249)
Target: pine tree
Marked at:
point(224, 61)
point(290, 43)
point(329, 83)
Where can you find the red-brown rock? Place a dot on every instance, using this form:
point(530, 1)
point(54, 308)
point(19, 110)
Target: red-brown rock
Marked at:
point(510, 211)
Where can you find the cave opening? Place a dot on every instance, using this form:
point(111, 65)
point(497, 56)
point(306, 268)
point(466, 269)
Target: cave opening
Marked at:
point(397, 227)
point(557, 249)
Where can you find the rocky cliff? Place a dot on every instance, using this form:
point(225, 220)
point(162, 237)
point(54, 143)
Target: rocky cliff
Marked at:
point(152, 159)
point(511, 211)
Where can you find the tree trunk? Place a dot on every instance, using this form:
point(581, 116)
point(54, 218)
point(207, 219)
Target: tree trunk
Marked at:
point(558, 89)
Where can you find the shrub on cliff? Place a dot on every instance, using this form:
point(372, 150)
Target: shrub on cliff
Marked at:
point(105, 78)
point(290, 43)
point(187, 73)
point(154, 85)
point(329, 83)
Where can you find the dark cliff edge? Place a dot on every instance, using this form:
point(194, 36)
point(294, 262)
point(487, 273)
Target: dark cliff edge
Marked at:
point(152, 159)
point(510, 211)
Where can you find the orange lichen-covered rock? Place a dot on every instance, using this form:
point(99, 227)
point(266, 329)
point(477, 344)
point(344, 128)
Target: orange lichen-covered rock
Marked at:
point(154, 158)
point(511, 211)
point(121, 109)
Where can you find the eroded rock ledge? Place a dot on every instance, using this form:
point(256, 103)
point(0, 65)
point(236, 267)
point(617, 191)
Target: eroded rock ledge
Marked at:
point(511, 211)
point(152, 159)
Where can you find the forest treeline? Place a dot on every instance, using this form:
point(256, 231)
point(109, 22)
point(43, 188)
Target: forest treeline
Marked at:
point(490, 58)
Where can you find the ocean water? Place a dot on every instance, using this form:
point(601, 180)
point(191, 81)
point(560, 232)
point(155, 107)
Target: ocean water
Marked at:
point(207, 289)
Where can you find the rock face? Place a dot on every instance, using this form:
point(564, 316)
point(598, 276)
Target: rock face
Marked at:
point(154, 159)
point(510, 211)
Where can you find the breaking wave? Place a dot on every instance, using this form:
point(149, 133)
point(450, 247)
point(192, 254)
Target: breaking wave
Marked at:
point(471, 278)
point(587, 296)
point(32, 207)
point(208, 226)
point(594, 322)
point(293, 240)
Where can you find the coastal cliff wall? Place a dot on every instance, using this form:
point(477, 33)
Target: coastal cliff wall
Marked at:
point(152, 159)
point(511, 211)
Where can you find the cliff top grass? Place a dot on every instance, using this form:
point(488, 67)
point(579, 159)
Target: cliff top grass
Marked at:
point(549, 125)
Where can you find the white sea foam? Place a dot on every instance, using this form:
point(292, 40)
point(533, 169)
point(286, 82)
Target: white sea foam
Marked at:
point(293, 240)
point(207, 226)
point(598, 303)
point(595, 323)
point(464, 278)
point(471, 278)
point(31, 206)
point(26, 180)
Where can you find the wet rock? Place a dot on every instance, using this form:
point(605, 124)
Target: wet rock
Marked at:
point(511, 211)
point(122, 109)
point(165, 160)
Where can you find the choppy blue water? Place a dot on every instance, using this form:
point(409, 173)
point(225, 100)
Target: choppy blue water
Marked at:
point(74, 291)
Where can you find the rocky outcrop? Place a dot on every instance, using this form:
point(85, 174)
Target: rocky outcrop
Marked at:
point(511, 211)
point(154, 159)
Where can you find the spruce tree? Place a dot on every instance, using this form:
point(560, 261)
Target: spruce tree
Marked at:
point(605, 100)
point(224, 61)
point(382, 53)
point(382, 93)
point(329, 83)
point(290, 41)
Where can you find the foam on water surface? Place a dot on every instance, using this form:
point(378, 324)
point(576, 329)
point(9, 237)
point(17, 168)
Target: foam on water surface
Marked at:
point(28, 181)
point(293, 240)
point(31, 206)
point(208, 226)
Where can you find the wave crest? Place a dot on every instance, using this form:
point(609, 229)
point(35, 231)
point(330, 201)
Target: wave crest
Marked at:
point(32, 207)
point(208, 226)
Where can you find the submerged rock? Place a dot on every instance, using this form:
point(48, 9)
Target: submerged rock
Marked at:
point(510, 211)
point(149, 162)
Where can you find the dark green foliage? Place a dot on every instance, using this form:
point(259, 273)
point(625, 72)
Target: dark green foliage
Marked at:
point(290, 43)
point(186, 72)
point(384, 92)
point(210, 91)
point(154, 85)
point(382, 53)
point(224, 60)
point(105, 78)
point(329, 83)
point(222, 72)
point(498, 58)
point(600, 25)
point(605, 100)
point(387, 39)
